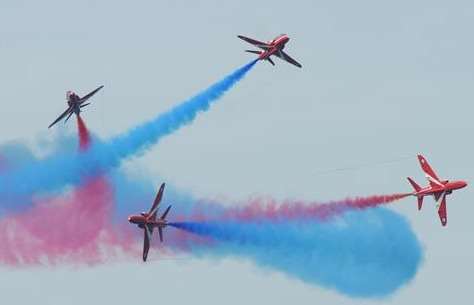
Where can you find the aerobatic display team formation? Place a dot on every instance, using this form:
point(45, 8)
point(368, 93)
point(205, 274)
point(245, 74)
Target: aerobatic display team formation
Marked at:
point(76, 206)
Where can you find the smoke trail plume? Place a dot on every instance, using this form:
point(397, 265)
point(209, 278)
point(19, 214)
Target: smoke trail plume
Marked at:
point(84, 136)
point(369, 254)
point(351, 245)
point(3, 164)
point(60, 170)
point(261, 208)
point(330, 249)
point(74, 228)
point(67, 229)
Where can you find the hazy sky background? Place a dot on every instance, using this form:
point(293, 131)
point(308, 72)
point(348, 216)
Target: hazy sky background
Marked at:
point(380, 81)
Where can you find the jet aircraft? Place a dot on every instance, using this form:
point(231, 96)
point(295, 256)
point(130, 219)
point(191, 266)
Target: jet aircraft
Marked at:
point(75, 104)
point(273, 47)
point(437, 188)
point(148, 221)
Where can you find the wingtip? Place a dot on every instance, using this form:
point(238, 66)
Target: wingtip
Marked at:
point(444, 221)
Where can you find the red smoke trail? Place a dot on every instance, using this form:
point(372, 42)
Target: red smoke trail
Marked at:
point(261, 208)
point(72, 229)
point(84, 136)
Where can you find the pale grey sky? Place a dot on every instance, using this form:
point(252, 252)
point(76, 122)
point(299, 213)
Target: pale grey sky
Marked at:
point(380, 81)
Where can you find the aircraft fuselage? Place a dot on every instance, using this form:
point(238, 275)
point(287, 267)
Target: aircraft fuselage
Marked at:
point(141, 221)
point(72, 97)
point(448, 187)
point(277, 44)
point(73, 101)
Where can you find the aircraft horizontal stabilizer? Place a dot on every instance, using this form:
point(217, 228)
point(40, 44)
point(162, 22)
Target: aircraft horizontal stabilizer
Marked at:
point(414, 184)
point(254, 52)
point(166, 212)
point(420, 202)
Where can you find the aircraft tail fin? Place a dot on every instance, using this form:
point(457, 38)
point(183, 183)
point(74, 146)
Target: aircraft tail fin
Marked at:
point(260, 53)
point(417, 189)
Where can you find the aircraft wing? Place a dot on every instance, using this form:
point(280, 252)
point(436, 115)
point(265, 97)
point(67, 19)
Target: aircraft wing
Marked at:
point(443, 215)
point(146, 242)
point(257, 43)
point(286, 57)
point(156, 203)
point(429, 172)
point(89, 95)
point(62, 116)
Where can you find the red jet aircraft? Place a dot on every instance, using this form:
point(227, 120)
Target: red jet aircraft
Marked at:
point(75, 103)
point(273, 47)
point(148, 221)
point(439, 189)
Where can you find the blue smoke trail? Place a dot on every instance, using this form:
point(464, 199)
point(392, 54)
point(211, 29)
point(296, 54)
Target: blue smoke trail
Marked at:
point(16, 154)
point(362, 254)
point(65, 169)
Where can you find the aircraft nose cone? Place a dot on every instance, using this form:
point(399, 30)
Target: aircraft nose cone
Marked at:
point(460, 184)
point(129, 219)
